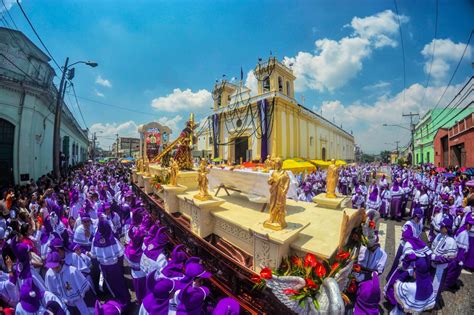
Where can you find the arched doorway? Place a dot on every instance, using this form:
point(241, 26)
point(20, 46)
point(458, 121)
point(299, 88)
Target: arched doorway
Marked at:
point(7, 138)
point(323, 154)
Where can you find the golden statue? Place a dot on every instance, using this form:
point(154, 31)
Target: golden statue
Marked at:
point(203, 182)
point(139, 166)
point(146, 167)
point(279, 183)
point(269, 164)
point(331, 180)
point(174, 172)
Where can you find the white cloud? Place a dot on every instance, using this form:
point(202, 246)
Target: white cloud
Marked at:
point(377, 28)
point(447, 53)
point(334, 63)
point(252, 83)
point(377, 86)
point(107, 133)
point(8, 5)
point(104, 82)
point(180, 100)
point(366, 119)
point(99, 94)
point(173, 123)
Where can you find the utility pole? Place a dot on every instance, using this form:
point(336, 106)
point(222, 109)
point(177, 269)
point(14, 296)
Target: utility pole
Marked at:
point(94, 138)
point(412, 130)
point(117, 145)
point(57, 124)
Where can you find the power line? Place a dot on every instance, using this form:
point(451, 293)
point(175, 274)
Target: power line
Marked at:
point(403, 49)
point(455, 70)
point(8, 13)
point(77, 103)
point(432, 56)
point(37, 35)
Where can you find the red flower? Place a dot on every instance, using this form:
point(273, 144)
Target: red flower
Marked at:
point(320, 271)
point(356, 268)
point(342, 255)
point(311, 284)
point(290, 291)
point(352, 288)
point(266, 273)
point(335, 266)
point(256, 279)
point(372, 225)
point(310, 260)
point(295, 260)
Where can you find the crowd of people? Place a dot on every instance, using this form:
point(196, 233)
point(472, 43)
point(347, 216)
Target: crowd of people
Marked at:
point(67, 247)
point(437, 240)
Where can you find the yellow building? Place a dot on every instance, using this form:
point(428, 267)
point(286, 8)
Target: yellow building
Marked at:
point(271, 122)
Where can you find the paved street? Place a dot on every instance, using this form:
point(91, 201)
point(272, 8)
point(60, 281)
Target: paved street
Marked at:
point(460, 302)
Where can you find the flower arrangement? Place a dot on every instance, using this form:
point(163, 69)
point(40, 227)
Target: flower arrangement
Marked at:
point(159, 180)
point(311, 269)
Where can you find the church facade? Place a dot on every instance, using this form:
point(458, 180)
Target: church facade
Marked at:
point(270, 123)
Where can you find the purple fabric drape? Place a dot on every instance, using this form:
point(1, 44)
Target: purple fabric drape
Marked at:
point(215, 133)
point(264, 123)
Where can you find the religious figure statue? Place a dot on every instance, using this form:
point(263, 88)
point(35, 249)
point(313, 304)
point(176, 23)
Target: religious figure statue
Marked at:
point(203, 182)
point(331, 180)
point(139, 166)
point(174, 171)
point(269, 163)
point(279, 183)
point(146, 167)
point(183, 155)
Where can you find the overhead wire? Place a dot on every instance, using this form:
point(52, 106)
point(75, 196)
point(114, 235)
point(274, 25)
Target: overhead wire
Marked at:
point(432, 56)
point(8, 13)
point(78, 106)
point(37, 35)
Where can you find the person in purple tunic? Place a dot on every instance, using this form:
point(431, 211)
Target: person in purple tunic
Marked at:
point(413, 249)
point(153, 257)
point(108, 308)
point(109, 253)
point(444, 251)
point(191, 300)
point(469, 260)
point(70, 285)
point(396, 193)
point(417, 296)
point(133, 254)
point(455, 266)
point(227, 306)
point(411, 229)
point(34, 301)
point(157, 302)
point(368, 297)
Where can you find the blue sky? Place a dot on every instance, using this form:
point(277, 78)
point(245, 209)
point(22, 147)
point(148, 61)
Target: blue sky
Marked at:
point(163, 57)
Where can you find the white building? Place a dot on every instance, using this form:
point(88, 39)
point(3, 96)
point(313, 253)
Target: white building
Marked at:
point(27, 104)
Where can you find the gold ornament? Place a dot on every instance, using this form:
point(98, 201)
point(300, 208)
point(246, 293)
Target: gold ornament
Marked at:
point(279, 183)
point(174, 172)
point(203, 182)
point(269, 163)
point(331, 180)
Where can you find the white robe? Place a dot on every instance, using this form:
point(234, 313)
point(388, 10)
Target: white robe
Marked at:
point(47, 297)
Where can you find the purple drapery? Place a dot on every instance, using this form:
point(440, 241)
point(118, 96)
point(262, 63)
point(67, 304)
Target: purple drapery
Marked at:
point(264, 120)
point(215, 133)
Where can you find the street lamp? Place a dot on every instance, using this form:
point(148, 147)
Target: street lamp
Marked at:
point(57, 118)
point(395, 125)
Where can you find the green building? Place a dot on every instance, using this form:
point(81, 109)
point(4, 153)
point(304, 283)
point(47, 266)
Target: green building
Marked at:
point(426, 129)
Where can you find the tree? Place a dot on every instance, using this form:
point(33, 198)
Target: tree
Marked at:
point(385, 156)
